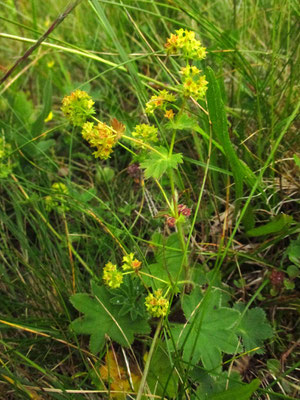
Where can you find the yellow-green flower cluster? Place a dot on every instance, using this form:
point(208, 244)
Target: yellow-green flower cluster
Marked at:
point(130, 263)
point(57, 200)
point(60, 187)
point(146, 133)
point(111, 276)
point(100, 136)
point(159, 101)
point(4, 148)
point(194, 84)
point(156, 304)
point(184, 42)
point(78, 107)
point(5, 166)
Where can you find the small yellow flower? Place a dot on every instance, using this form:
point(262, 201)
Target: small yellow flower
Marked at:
point(190, 71)
point(146, 133)
point(100, 136)
point(194, 84)
point(118, 127)
point(136, 264)
point(78, 107)
point(60, 187)
point(5, 148)
point(169, 114)
point(172, 44)
point(57, 200)
point(156, 304)
point(130, 263)
point(47, 22)
point(50, 64)
point(159, 101)
point(184, 41)
point(49, 117)
point(111, 276)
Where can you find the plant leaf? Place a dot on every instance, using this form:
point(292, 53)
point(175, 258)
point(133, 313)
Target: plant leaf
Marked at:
point(102, 318)
point(168, 264)
point(162, 378)
point(45, 145)
point(253, 328)
point(39, 123)
point(279, 223)
point(297, 160)
point(157, 164)
point(241, 171)
point(293, 251)
point(23, 109)
point(219, 124)
point(241, 392)
point(210, 167)
point(209, 329)
point(181, 122)
point(210, 384)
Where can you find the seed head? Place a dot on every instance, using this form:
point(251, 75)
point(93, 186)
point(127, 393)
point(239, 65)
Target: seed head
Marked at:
point(134, 170)
point(277, 278)
point(171, 221)
point(184, 210)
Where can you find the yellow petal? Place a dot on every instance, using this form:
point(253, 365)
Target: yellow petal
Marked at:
point(49, 118)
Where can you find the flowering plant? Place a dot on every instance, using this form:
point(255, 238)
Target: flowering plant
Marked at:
point(135, 287)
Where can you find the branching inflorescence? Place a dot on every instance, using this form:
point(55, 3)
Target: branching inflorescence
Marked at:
point(79, 109)
point(131, 291)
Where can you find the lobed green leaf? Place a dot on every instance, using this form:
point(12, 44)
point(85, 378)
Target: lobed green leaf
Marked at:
point(102, 318)
point(159, 162)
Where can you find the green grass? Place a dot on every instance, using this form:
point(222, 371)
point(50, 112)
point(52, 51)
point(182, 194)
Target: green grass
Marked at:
point(115, 51)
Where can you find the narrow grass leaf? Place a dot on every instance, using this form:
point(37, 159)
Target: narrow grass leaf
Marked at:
point(240, 170)
point(279, 223)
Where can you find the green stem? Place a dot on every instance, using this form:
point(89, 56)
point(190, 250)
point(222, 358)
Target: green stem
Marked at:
point(149, 358)
point(92, 56)
point(171, 177)
point(183, 245)
point(152, 276)
point(142, 144)
point(172, 184)
point(127, 149)
point(179, 226)
point(172, 142)
point(164, 194)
